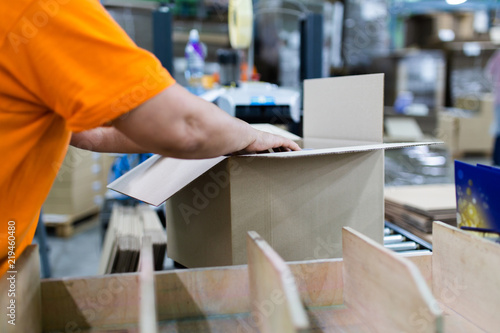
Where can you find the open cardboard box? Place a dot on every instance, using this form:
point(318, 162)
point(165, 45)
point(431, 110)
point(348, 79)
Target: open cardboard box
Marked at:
point(298, 201)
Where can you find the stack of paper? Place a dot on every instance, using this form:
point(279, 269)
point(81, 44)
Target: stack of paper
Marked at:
point(122, 244)
point(416, 207)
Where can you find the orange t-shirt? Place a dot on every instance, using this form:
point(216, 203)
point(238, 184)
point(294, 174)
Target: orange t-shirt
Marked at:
point(65, 66)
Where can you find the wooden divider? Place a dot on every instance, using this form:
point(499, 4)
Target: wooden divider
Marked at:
point(147, 314)
point(273, 293)
point(466, 271)
point(386, 291)
point(113, 300)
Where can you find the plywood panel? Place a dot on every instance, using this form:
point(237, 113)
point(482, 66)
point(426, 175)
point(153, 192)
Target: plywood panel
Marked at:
point(466, 273)
point(388, 292)
point(273, 292)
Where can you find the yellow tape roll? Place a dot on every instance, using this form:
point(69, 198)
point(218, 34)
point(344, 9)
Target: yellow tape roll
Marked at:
point(240, 20)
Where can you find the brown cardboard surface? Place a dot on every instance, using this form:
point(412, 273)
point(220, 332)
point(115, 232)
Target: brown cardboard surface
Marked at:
point(199, 220)
point(345, 108)
point(78, 182)
point(301, 205)
point(425, 199)
point(67, 193)
point(70, 208)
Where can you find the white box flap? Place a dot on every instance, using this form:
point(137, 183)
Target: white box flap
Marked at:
point(158, 178)
point(340, 150)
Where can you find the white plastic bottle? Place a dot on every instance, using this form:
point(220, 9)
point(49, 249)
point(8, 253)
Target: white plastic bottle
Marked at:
point(195, 53)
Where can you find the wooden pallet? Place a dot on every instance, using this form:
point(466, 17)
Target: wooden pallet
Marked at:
point(66, 225)
point(460, 154)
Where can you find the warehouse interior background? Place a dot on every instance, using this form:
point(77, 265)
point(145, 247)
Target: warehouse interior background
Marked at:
point(433, 53)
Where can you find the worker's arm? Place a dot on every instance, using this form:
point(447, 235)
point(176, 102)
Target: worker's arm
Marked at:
point(105, 140)
point(178, 124)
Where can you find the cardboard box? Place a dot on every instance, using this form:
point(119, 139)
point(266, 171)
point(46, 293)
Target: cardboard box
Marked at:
point(443, 21)
point(464, 26)
point(298, 201)
point(80, 184)
point(468, 132)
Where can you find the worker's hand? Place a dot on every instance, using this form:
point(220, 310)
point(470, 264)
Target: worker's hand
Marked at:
point(265, 141)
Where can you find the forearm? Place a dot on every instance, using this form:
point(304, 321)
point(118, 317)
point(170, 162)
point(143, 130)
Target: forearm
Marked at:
point(105, 140)
point(216, 133)
point(178, 124)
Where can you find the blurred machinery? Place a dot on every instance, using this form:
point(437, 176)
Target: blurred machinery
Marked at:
point(260, 102)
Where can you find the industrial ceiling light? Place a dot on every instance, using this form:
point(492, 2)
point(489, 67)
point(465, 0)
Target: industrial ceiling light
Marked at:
point(455, 2)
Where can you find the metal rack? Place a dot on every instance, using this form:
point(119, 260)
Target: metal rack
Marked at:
point(399, 240)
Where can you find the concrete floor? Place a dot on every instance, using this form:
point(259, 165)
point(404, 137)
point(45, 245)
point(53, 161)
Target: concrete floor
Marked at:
point(79, 255)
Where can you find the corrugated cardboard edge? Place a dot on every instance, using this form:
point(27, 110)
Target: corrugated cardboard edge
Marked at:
point(342, 150)
point(159, 178)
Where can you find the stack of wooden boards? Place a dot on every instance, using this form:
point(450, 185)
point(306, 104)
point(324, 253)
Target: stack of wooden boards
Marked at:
point(416, 207)
point(454, 289)
point(122, 244)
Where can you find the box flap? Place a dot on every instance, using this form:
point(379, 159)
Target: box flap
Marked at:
point(340, 150)
point(158, 178)
point(346, 108)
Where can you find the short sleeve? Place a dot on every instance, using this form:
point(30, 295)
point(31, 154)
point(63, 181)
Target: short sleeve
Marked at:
point(79, 63)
